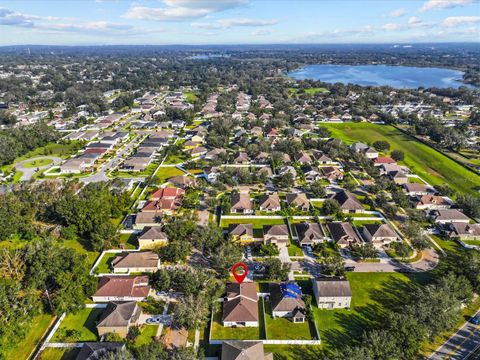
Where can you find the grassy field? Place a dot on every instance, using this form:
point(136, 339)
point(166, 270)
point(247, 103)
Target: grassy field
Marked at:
point(59, 354)
point(256, 223)
point(148, 332)
point(83, 321)
point(370, 293)
point(25, 347)
point(284, 329)
point(308, 91)
point(190, 96)
point(82, 248)
point(423, 160)
point(164, 173)
point(37, 163)
point(103, 266)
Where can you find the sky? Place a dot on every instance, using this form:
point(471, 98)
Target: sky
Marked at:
point(161, 22)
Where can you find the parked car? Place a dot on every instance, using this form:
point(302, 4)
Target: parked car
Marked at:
point(475, 320)
point(349, 268)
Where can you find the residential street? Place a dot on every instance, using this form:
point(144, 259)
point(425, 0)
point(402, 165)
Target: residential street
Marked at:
point(29, 172)
point(461, 344)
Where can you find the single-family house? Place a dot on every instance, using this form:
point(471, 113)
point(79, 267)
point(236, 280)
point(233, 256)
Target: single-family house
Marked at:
point(332, 173)
point(343, 234)
point(118, 318)
point(145, 219)
point(244, 350)
point(298, 201)
point(241, 232)
point(270, 202)
point(152, 237)
point(241, 158)
point(122, 288)
point(182, 181)
point(379, 234)
point(331, 293)
point(136, 262)
point(444, 216)
point(348, 202)
point(398, 177)
point(286, 301)
point(309, 234)
point(462, 231)
point(414, 189)
point(240, 306)
point(241, 203)
point(303, 158)
point(276, 234)
point(431, 202)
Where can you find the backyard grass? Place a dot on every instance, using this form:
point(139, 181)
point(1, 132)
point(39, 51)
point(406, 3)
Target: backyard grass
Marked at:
point(423, 160)
point(83, 321)
point(128, 241)
point(81, 247)
point(370, 292)
point(25, 347)
point(59, 354)
point(175, 159)
point(190, 96)
point(37, 163)
point(293, 352)
point(284, 329)
point(256, 223)
point(294, 249)
point(103, 266)
point(219, 332)
point(166, 172)
point(472, 242)
point(148, 332)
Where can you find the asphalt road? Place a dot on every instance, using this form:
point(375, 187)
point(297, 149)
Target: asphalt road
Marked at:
point(460, 345)
point(29, 172)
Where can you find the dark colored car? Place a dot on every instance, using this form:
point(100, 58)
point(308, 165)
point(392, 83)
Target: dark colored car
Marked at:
point(349, 268)
point(475, 320)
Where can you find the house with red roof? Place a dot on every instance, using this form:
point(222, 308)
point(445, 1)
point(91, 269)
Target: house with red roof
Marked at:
point(122, 288)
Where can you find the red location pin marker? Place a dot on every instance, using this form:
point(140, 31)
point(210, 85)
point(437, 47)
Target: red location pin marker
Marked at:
point(240, 277)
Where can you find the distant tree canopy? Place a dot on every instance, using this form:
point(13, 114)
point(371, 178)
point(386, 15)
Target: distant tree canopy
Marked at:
point(7, 118)
point(18, 141)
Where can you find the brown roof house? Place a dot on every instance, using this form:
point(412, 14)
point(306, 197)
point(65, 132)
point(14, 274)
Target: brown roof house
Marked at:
point(182, 181)
point(303, 158)
point(443, 216)
point(332, 293)
point(240, 306)
point(298, 201)
point(462, 231)
point(241, 232)
point(379, 234)
point(286, 301)
point(348, 202)
point(343, 234)
point(431, 202)
point(270, 203)
point(147, 218)
point(118, 317)
point(244, 350)
point(398, 176)
point(276, 234)
point(95, 350)
point(138, 262)
point(331, 173)
point(309, 233)
point(241, 203)
point(152, 237)
point(414, 189)
point(122, 288)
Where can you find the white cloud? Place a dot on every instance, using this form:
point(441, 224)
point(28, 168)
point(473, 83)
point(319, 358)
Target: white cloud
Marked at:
point(182, 10)
point(229, 23)
point(246, 22)
point(261, 32)
point(414, 20)
point(453, 21)
point(392, 27)
point(397, 13)
point(444, 4)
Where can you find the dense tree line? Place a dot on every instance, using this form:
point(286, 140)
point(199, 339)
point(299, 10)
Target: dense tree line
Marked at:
point(18, 141)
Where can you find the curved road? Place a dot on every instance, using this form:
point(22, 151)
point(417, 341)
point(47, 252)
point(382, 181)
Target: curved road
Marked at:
point(28, 172)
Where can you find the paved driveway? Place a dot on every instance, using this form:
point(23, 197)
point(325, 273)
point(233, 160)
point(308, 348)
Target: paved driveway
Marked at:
point(28, 172)
point(460, 345)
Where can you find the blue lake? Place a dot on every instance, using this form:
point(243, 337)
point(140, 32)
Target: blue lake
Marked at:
point(400, 77)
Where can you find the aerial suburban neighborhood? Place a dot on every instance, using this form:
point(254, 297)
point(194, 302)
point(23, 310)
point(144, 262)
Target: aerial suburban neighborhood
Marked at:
point(136, 180)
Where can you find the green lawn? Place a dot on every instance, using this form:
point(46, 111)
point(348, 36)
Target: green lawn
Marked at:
point(59, 354)
point(423, 160)
point(256, 223)
point(472, 242)
point(294, 249)
point(284, 329)
point(293, 352)
point(25, 347)
point(190, 96)
point(103, 266)
point(81, 247)
point(129, 241)
point(37, 163)
point(148, 332)
point(175, 159)
point(219, 332)
point(83, 321)
point(164, 173)
point(370, 292)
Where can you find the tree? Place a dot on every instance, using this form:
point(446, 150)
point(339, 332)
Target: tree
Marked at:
point(331, 207)
point(420, 243)
point(208, 238)
point(275, 270)
point(160, 280)
point(133, 333)
point(365, 251)
point(381, 145)
point(333, 265)
point(401, 249)
point(286, 181)
point(317, 189)
point(397, 155)
point(268, 250)
point(192, 311)
point(7, 118)
point(470, 205)
point(175, 251)
point(225, 256)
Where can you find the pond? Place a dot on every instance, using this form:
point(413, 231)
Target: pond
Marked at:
point(401, 77)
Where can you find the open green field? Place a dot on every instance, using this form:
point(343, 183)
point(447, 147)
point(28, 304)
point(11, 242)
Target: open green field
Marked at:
point(25, 347)
point(190, 96)
point(37, 163)
point(284, 329)
point(423, 160)
point(83, 321)
point(308, 91)
point(370, 293)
